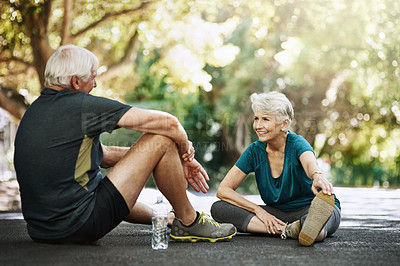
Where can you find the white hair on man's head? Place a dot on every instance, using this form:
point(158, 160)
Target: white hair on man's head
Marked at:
point(67, 61)
point(273, 103)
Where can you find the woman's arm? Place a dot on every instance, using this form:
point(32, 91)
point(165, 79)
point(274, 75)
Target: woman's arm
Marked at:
point(227, 192)
point(310, 166)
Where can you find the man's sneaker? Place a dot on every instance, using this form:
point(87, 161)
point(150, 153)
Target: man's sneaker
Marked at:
point(291, 230)
point(320, 211)
point(204, 228)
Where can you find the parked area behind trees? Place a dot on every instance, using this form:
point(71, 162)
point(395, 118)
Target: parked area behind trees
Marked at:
point(337, 61)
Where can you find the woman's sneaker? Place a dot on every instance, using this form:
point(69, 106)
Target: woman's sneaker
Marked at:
point(291, 230)
point(204, 228)
point(320, 211)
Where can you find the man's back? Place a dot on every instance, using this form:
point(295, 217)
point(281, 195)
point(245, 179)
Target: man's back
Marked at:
point(57, 158)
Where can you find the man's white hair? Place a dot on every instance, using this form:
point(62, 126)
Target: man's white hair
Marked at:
point(273, 103)
point(67, 61)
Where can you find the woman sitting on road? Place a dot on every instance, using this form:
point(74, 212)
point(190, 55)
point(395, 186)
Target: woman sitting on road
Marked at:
point(288, 180)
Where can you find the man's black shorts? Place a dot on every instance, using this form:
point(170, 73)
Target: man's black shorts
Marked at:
point(109, 210)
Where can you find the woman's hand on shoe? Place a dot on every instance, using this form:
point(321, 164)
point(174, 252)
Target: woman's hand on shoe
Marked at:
point(272, 224)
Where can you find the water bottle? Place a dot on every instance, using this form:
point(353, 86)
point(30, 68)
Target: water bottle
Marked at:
point(159, 239)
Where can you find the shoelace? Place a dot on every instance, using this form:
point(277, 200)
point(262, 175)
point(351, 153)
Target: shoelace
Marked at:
point(205, 217)
point(284, 234)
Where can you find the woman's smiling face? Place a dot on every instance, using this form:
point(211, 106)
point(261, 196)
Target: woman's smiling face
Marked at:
point(266, 126)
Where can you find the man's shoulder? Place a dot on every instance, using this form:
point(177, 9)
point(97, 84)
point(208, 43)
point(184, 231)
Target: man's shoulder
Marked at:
point(89, 98)
point(52, 97)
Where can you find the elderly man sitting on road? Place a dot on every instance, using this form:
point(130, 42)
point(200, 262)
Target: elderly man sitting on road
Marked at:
point(58, 156)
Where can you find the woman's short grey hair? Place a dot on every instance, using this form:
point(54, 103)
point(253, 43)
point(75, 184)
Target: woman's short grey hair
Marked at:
point(67, 61)
point(273, 103)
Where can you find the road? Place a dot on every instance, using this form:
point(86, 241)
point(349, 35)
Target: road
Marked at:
point(369, 235)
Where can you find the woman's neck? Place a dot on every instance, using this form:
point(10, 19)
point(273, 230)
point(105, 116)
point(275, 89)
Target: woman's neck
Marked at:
point(278, 144)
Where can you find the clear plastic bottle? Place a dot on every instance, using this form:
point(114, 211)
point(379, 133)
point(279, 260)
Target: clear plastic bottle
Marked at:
point(159, 239)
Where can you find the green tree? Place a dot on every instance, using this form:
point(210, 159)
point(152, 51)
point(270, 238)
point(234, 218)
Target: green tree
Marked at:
point(114, 31)
point(31, 30)
point(338, 62)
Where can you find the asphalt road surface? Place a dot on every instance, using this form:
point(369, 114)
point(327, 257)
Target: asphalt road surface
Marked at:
point(369, 235)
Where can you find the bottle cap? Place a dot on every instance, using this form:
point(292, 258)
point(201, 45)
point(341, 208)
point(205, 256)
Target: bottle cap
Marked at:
point(160, 199)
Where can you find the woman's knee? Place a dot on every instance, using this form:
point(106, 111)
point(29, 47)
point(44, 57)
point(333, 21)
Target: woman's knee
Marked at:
point(334, 221)
point(217, 210)
point(225, 212)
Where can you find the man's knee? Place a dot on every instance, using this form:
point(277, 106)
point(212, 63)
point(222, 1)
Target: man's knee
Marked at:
point(157, 142)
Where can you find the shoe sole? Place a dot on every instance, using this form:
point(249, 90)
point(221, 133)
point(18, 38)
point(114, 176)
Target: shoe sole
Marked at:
point(321, 210)
point(194, 239)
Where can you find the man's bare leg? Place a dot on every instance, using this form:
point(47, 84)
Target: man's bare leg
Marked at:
point(140, 214)
point(157, 154)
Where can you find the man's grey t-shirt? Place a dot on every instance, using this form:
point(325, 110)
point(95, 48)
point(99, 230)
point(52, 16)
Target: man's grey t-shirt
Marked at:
point(57, 159)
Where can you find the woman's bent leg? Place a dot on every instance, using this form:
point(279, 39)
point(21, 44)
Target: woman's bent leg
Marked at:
point(225, 212)
point(333, 223)
point(246, 221)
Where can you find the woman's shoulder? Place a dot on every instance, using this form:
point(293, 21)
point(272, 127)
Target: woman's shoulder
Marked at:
point(293, 137)
point(258, 145)
point(255, 147)
point(298, 141)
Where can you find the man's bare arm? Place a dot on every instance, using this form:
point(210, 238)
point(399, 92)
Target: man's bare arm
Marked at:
point(156, 122)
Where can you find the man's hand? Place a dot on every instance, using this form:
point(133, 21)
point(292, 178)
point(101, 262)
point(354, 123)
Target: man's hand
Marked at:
point(195, 175)
point(189, 154)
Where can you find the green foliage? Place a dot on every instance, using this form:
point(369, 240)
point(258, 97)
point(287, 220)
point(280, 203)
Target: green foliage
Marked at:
point(338, 64)
point(337, 61)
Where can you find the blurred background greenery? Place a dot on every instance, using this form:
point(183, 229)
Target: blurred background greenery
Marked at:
point(337, 61)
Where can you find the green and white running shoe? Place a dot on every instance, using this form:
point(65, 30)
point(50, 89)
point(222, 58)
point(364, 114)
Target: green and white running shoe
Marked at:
point(291, 230)
point(204, 228)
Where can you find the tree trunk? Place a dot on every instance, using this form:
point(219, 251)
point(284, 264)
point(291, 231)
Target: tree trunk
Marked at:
point(12, 102)
point(36, 23)
point(67, 22)
point(36, 28)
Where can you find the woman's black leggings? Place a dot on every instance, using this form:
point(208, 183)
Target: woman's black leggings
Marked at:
point(225, 212)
